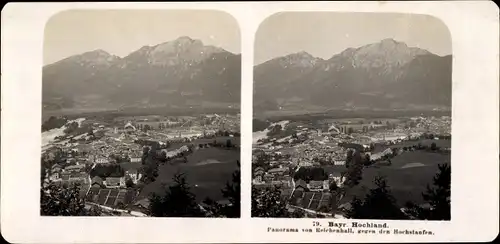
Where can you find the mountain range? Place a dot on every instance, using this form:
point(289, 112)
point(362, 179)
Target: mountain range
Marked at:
point(383, 75)
point(180, 72)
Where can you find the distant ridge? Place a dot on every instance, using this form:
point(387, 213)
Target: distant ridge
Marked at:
point(176, 72)
point(386, 74)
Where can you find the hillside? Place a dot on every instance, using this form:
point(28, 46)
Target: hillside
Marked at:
point(177, 72)
point(387, 74)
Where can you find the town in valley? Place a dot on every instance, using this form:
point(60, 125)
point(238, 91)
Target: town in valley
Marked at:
point(117, 163)
point(353, 119)
point(143, 121)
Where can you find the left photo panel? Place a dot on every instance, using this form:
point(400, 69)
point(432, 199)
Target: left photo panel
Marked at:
point(141, 114)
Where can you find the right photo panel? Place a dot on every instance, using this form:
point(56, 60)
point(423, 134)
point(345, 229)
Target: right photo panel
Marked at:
point(352, 116)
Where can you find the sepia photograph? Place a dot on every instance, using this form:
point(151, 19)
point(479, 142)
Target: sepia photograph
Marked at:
point(352, 116)
point(141, 114)
point(250, 122)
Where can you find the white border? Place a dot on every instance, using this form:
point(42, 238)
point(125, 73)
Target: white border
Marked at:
point(474, 28)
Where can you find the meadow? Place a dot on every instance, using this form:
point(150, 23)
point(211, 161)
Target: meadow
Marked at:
point(405, 182)
point(207, 171)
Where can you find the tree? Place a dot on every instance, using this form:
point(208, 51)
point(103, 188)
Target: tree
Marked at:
point(178, 201)
point(53, 122)
point(63, 200)
point(145, 154)
point(232, 192)
point(433, 146)
point(378, 204)
point(90, 132)
point(129, 182)
point(367, 160)
point(163, 156)
point(348, 160)
point(333, 186)
point(149, 170)
point(438, 197)
point(355, 171)
point(268, 203)
point(71, 127)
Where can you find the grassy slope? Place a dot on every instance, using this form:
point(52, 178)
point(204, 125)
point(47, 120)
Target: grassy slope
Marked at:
point(210, 178)
point(405, 184)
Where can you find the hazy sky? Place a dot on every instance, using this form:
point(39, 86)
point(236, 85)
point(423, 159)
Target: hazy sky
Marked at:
point(326, 34)
point(121, 32)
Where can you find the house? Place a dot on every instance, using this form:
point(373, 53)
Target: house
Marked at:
point(133, 174)
point(56, 168)
point(101, 160)
point(97, 182)
point(259, 172)
point(339, 162)
point(55, 176)
point(337, 177)
point(75, 168)
point(114, 182)
point(78, 180)
point(268, 177)
point(315, 185)
point(301, 184)
point(278, 171)
point(305, 164)
point(280, 183)
point(64, 176)
point(258, 178)
point(135, 160)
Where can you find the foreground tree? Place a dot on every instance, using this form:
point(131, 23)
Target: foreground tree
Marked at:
point(378, 204)
point(438, 198)
point(64, 201)
point(354, 173)
point(231, 192)
point(178, 201)
point(268, 203)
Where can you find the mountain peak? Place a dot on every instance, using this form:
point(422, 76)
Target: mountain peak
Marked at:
point(302, 54)
point(96, 57)
point(385, 53)
point(182, 50)
point(184, 39)
point(298, 59)
point(389, 41)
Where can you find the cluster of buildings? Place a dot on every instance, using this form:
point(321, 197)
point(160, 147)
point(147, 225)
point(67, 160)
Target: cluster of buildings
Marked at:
point(109, 145)
point(326, 148)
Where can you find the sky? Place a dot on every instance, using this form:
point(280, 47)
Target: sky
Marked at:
point(326, 34)
point(121, 32)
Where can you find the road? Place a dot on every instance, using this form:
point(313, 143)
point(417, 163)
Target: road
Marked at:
point(133, 213)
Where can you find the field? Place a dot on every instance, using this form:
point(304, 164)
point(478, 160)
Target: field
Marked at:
point(407, 177)
point(425, 142)
point(207, 171)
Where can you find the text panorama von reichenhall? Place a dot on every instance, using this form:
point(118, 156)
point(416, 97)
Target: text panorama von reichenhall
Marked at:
point(350, 230)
